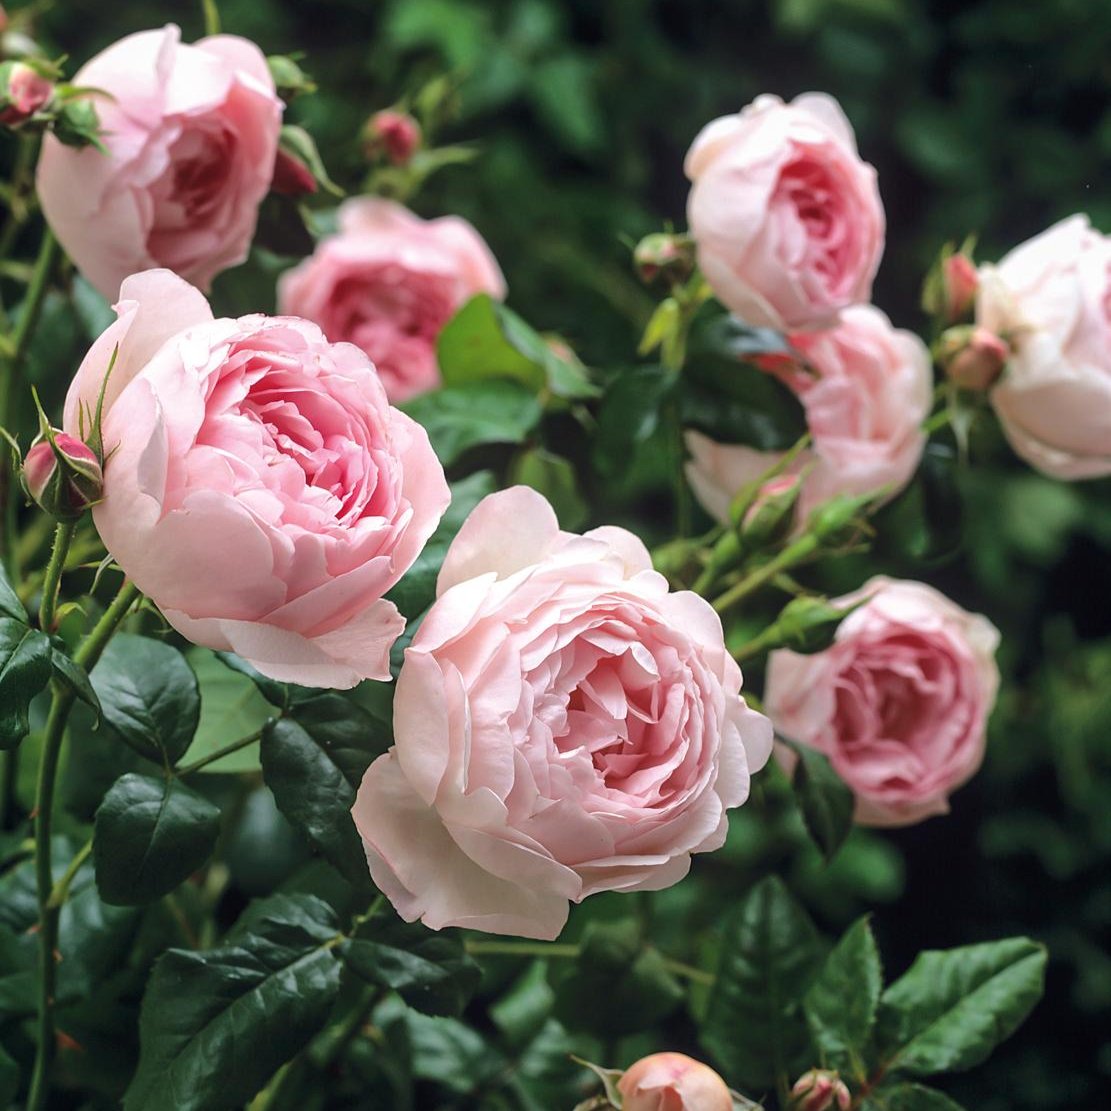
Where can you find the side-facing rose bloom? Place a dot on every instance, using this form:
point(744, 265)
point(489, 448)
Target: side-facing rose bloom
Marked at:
point(257, 484)
point(866, 394)
point(787, 218)
point(899, 703)
point(1050, 299)
point(191, 132)
point(563, 726)
point(673, 1082)
point(388, 282)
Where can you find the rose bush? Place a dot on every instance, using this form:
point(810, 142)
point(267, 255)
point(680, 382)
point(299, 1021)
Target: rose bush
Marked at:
point(673, 1082)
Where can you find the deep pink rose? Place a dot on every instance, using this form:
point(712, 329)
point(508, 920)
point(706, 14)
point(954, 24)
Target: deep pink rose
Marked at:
point(787, 218)
point(1050, 299)
point(866, 395)
point(388, 282)
point(258, 486)
point(192, 132)
point(899, 703)
point(673, 1082)
point(563, 726)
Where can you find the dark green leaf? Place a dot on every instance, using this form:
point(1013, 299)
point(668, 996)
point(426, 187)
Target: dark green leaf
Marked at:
point(10, 605)
point(75, 677)
point(825, 800)
point(754, 1024)
point(24, 671)
point(148, 695)
point(9, 1079)
point(216, 1025)
point(348, 734)
point(630, 414)
point(910, 1097)
point(555, 478)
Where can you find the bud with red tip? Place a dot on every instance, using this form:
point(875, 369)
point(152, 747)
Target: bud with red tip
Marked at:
point(973, 357)
point(292, 178)
point(23, 92)
point(771, 515)
point(63, 475)
point(662, 254)
point(820, 1090)
point(393, 133)
point(950, 289)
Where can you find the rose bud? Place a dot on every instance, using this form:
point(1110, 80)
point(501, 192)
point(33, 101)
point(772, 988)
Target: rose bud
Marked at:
point(973, 357)
point(772, 514)
point(669, 255)
point(960, 283)
point(673, 1082)
point(24, 92)
point(292, 178)
point(64, 478)
point(819, 1090)
point(393, 133)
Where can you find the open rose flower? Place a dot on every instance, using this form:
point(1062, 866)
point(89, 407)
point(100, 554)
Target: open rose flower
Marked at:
point(787, 218)
point(192, 133)
point(389, 282)
point(899, 703)
point(1050, 299)
point(563, 726)
point(257, 485)
point(866, 393)
point(673, 1082)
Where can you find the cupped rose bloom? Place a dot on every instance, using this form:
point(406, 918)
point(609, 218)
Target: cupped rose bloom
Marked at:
point(866, 391)
point(1050, 299)
point(787, 218)
point(389, 282)
point(192, 133)
point(563, 726)
point(673, 1082)
point(257, 484)
point(899, 703)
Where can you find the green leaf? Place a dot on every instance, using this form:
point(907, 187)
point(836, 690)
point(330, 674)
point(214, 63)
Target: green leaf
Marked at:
point(10, 605)
point(825, 800)
point(754, 1024)
point(461, 417)
point(430, 971)
point(312, 791)
point(909, 1097)
point(347, 733)
point(555, 478)
point(841, 1003)
point(630, 414)
point(215, 1025)
point(9, 1079)
point(486, 340)
point(24, 671)
point(150, 834)
point(954, 1006)
point(75, 677)
point(148, 695)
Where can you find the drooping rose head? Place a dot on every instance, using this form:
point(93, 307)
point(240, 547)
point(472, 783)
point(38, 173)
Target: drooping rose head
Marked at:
point(899, 703)
point(563, 726)
point(258, 486)
point(787, 218)
point(866, 395)
point(1051, 300)
point(389, 282)
point(191, 132)
point(673, 1082)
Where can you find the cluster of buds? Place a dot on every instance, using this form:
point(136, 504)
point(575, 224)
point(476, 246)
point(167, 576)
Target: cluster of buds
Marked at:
point(392, 134)
point(62, 475)
point(971, 356)
point(820, 1090)
point(949, 293)
point(664, 255)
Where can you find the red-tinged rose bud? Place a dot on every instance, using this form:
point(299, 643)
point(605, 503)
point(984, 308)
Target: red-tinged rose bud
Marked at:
point(64, 478)
point(660, 254)
point(771, 515)
point(973, 357)
point(820, 1090)
point(23, 92)
point(393, 133)
point(292, 178)
point(960, 281)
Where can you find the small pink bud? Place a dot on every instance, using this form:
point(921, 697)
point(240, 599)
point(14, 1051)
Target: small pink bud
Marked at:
point(292, 178)
point(820, 1090)
point(770, 493)
point(961, 283)
point(674, 1081)
point(64, 487)
point(663, 254)
point(973, 357)
point(25, 92)
point(394, 133)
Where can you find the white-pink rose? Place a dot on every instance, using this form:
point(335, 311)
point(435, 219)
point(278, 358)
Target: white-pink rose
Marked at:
point(564, 725)
point(673, 1082)
point(866, 394)
point(787, 218)
point(389, 282)
point(258, 486)
point(1050, 299)
point(192, 133)
point(899, 703)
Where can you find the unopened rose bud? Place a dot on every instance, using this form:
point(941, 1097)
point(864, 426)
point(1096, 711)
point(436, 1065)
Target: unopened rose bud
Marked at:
point(64, 478)
point(671, 256)
point(674, 1082)
point(23, 92)
point(292, 178)
point(819, 1090)
point(838, 520)
point(772, 513)
point(960, 281)
point(392, 133)
point(290, 80)
point(973, 357)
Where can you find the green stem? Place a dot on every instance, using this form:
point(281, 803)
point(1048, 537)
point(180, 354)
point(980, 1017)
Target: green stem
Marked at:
point(802, 549)
point(61, 888)
point(9, 773)
point(220, 753)
point(939, 420)
point(522, 949)
point(48, 604)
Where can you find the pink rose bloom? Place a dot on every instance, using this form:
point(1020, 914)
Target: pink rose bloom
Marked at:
point(563, 726)
point(257, 485)
point(787, 218)
point(388, 283)
point(899, 703)
point(673, 1082)
point(865, 403)
point(1051, 300)
point(191, 132)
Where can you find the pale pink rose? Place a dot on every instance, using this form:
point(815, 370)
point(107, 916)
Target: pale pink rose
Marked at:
point(257, 485)
point(899, 703)
point(1051, 300)
point(563, 726)
point(389, 282)
point(787, 218)
point(673, 1082)
point(192, 132)
point(865, 403)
